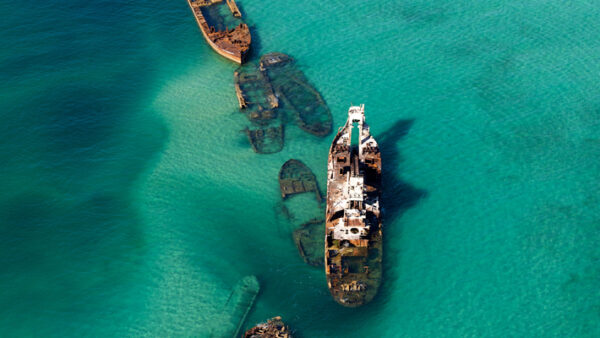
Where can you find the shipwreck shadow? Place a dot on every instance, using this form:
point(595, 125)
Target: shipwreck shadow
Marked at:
point(256, 47)
point(397, 197)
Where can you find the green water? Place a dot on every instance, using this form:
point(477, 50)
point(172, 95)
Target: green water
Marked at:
point(132, 204)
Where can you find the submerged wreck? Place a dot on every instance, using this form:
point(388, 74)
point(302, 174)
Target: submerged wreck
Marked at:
point(211, 16)
point(353, 231)
point(299, 97)
point(255, 94)
point(273, 328)
point(296, 178)
point(267, 140)
point(309, 241)
point(236, 309)
point(260, 105)
point(273, 93)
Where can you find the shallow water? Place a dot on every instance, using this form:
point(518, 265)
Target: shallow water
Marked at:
point(132, 204)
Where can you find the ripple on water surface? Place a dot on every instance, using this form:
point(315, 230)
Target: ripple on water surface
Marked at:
point(133, 205)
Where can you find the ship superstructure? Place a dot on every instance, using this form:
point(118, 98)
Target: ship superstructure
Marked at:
point(353, 232)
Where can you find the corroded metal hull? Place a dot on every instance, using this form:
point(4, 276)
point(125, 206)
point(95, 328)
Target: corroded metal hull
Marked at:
point(297, 94)
point(273, 328)
point(233, 44)
point(296, 178)
point(353, 231)
point(273, 92)
point(259, 103)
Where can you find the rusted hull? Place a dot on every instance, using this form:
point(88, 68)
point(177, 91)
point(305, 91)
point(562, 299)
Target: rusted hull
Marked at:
point(232, 52)
point(353, 228)
point(268, 140)
point(260, 105)
point(296, 178)
point(255, 95)
point(273, 328)
point(238, 90)
point(298, 95)
point(233, 56)
point(309, 241)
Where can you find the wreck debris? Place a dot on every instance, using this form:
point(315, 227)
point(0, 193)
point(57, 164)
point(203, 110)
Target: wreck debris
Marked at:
point(235, 11)
point(353, 231)
point(309, 241)
point(243, 297)
point(236, 309)
point(273, 328)
point(255, 95)
point(273, 92)
point(259, 103)
point(295, 178)
point(266, 140)
point(233, 44)
point(298, 95)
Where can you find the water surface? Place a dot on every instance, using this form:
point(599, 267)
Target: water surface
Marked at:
point(131, 203)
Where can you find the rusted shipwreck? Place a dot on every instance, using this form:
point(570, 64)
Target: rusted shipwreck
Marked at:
point(266, 140)
point(298, 95)
point(255, 94)
point(353, 230)
point(234, 44)
point(274, 92)
point(259, 103)
point(296, 178)
point(236, 309)
point(273, 328)
point(309, 241)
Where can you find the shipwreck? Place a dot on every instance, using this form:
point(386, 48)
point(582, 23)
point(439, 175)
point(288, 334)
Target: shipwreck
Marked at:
point(353, 229)
point(299, 96)
point(309, 241)
point(267, 140)
point(296, 178)
point(274, 92)
point(234, 44)
point(273, 328)
point(259, 103)
point(236, 308)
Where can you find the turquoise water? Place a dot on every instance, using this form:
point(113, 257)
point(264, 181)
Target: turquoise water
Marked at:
point(131, 204)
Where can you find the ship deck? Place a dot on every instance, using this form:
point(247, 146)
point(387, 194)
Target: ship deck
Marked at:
point(353, 228)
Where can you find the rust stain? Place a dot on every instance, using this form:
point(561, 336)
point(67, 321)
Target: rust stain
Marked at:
point(233, 44)
point(353, 231)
